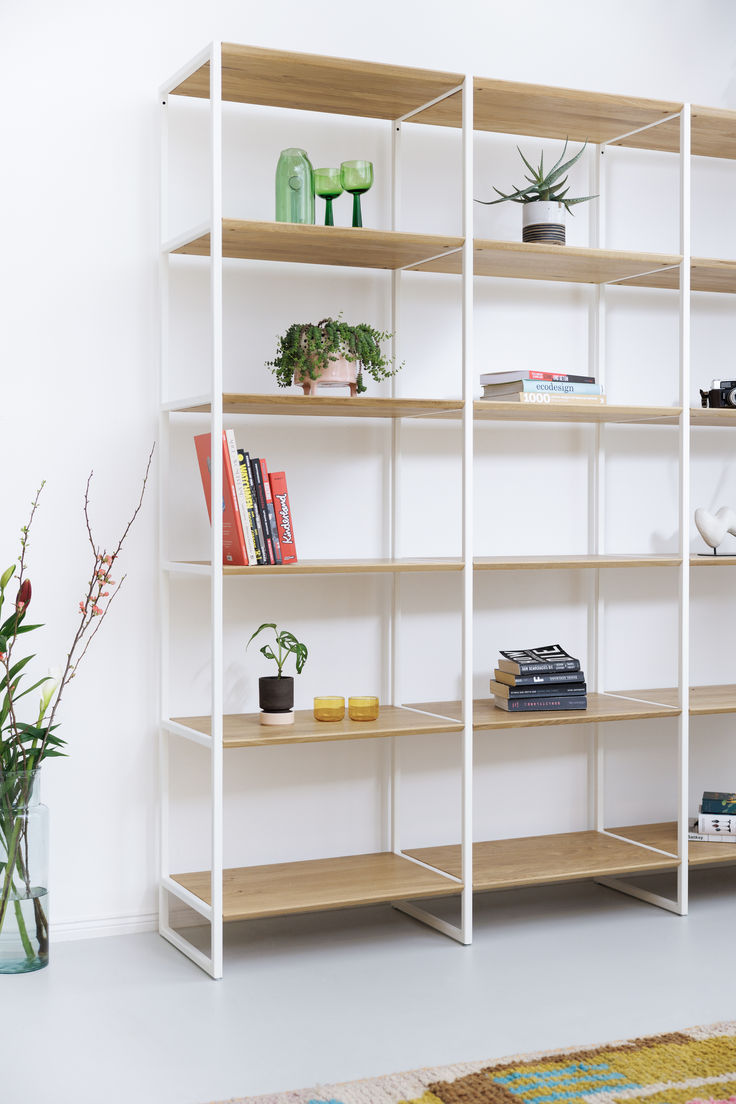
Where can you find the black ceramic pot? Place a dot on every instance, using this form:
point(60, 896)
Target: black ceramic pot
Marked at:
point(276, 695)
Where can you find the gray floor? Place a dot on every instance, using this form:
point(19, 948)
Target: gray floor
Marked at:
point(129, 1020)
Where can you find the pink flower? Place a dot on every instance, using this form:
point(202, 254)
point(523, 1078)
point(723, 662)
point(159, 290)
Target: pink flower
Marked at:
point(82, 607)
point(96, 611)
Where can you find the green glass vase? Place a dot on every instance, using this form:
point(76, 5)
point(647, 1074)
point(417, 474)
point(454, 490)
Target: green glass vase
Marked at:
point(24, 846)
point(294, 187)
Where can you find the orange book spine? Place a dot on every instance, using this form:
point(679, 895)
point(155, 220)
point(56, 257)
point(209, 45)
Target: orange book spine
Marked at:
point(234, 551)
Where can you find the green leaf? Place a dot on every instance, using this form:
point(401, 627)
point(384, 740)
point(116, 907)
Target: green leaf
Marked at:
point(265, 625)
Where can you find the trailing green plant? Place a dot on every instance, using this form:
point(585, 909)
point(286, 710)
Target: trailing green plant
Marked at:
point(549, 186)
point(307, 348)
point(287, 644)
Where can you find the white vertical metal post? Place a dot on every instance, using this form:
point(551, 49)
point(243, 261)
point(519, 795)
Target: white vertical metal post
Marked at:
point(394, 749)
point(596, 494)
point(163, 552)
point(466, 923)
point(684, 519)
point(216, 428)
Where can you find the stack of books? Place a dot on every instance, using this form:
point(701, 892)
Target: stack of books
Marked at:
point(531, 386)
point(716, 821)
point(538, 679)
point(257, 527)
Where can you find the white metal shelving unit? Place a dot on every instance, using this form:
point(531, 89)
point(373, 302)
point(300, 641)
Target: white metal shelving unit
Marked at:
point(401, 96)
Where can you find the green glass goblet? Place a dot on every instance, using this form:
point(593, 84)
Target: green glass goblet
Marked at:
point(328, 185)
point(357, 178)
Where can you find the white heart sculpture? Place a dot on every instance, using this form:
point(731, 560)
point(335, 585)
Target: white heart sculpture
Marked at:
point(713, 528)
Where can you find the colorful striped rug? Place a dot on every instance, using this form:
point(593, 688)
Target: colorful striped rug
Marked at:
point(693, 1066)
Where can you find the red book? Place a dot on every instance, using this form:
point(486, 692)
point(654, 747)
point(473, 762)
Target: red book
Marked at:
point(283, 516)
point(233, 540)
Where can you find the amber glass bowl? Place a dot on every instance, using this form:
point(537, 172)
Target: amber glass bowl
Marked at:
point(329, 709)
point(363, 709)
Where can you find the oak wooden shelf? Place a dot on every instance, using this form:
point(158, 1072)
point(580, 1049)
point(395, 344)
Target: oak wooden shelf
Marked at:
point(664, 836)
point(712, 561)
point(332, 406)
point(242, 730)
point(319, 884)
point(360, 247)
point(363, 247)
point(601, 707)
point(563, 563)
point(571, 856)
point(704, 700)
point(342, 86)
point(495, 411)
point(614, 705)
point(309, 82)
point(713, 416)
point(541, 860)
point(568, 263)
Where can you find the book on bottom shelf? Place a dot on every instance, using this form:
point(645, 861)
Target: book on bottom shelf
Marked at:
point(541, 705)
point(696, 836)
point(714, 801)
point(284, 523)
point(234, 550)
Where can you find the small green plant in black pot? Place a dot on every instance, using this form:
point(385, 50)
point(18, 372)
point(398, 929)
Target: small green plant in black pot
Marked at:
point(276, 692)
point(331, 353)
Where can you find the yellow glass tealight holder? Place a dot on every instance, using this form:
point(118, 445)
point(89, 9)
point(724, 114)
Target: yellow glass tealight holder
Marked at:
point(329, 709)
point(363, 709)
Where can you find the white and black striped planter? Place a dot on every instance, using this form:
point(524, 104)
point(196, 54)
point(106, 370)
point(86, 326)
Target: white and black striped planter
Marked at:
point(544, 222)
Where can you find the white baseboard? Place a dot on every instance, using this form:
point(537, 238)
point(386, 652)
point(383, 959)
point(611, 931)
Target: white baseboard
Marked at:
point(103, 925)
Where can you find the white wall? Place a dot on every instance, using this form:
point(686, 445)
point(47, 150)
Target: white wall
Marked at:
point(79, 134)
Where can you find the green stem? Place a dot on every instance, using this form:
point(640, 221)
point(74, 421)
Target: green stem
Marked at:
point(12, 856)
point(27, 945)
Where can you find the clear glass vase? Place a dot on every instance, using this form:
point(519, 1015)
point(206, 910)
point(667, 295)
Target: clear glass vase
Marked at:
point(24, 847)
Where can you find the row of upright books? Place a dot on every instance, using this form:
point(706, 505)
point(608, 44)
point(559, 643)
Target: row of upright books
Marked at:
point(531, 386)
point(257, 526)
point(716, 821)
point(534, 680)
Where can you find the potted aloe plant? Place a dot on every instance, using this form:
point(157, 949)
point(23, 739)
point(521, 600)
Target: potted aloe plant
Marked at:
point(331, 353)
point(545, 199)
point(276, 692)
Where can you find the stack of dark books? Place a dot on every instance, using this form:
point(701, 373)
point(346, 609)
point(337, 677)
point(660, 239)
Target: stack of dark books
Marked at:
point(538, 679)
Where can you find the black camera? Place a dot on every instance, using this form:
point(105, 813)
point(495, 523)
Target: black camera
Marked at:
point(722, 393)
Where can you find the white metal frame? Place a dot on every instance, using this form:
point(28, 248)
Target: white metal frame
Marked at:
point(212, 914)
point(596, 533)
point(462, 933)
